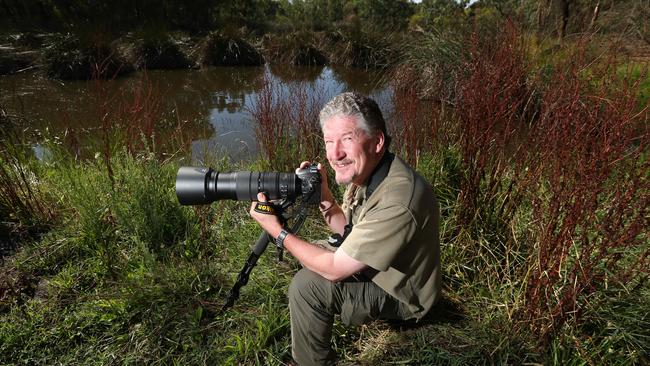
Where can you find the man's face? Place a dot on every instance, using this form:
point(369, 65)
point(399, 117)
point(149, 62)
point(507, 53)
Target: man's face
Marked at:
point(350, 151)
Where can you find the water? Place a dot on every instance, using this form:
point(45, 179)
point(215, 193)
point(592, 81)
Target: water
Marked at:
point(212, 105)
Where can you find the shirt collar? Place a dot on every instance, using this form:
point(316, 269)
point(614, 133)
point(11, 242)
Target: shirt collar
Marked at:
point(358, 194)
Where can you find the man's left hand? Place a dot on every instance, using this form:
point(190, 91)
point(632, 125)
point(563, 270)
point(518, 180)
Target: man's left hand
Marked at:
point(268, 221)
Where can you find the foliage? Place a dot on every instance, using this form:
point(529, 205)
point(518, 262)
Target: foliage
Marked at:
point(158, 53)
point(286, 122)
point(430, 64)
point(552, 195)
point(298, 48)
point(223, 50)
point(310, 15)
point(90, 17)
point(592, 206)
point(364, 48)
point(25, 203)
point(439, 15)
point(385, 14)
point(68, 57)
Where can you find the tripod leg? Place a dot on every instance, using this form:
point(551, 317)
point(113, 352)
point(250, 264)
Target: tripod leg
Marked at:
point(242, 279)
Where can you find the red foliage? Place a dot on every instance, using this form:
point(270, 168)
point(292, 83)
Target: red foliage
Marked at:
point(287, 126)
point(415, 122)
point(493, 99)
point(590, 191)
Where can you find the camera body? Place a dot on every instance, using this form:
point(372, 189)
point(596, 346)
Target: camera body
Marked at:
point(199, 185)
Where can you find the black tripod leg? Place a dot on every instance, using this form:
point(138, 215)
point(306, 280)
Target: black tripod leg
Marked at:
point(242, 279)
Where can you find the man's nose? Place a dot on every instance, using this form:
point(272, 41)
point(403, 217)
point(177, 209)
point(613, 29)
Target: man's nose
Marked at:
point(337, 151)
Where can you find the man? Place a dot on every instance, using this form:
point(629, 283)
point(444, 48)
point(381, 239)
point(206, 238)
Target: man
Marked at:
point(388, 265)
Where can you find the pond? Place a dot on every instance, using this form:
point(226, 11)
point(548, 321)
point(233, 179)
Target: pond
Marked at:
point(212, 106)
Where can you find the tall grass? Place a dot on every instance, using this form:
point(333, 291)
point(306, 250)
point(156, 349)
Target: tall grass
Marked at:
point(127, 278)
point(26, 206)
point(590, 176)
point(552, 199)
point(286, 120)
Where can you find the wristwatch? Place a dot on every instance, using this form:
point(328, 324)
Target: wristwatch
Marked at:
point(279, 241)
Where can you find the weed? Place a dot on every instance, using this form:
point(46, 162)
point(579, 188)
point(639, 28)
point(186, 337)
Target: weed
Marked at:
point(286, 122)
point(222, 50)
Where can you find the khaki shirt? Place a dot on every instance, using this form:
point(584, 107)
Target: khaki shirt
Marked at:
point(395, 232)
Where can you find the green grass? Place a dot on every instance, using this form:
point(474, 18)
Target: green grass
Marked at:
point(637, 72)
point(130, 277)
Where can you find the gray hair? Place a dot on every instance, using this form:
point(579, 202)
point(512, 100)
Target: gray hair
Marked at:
point(364, 109)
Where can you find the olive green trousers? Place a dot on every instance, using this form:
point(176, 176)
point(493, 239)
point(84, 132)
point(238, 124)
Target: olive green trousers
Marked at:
point(313, 302)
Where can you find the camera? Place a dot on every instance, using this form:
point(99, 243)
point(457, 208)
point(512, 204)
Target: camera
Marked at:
point(199, 186)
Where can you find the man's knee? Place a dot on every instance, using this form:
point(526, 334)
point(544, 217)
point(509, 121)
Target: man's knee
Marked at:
point(309, 286)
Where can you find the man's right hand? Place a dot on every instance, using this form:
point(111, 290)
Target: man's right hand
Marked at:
point(327, 198)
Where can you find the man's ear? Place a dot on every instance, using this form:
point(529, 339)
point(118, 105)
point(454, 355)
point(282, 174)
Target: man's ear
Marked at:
point(380, 139)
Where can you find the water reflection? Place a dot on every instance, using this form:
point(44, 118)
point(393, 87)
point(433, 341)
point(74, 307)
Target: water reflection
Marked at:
point(367, 83)
point(41, 152)
point(291, 74)
point(210, 107)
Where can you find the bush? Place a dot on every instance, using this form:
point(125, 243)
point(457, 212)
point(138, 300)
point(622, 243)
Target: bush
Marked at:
point(364, 48)
point(158, 53)
point(431, 63)
point(221, 50)
point(69, 58)
point(298, 48)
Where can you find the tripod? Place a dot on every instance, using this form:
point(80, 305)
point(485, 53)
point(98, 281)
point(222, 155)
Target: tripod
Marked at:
point(261, 244)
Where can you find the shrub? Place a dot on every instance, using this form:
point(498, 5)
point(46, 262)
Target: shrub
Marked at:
point(287, 124)
point(432, 63)
point(298, 48)
point(221, 50)
point(589, 193)
point(158, 53)
point(492, 97)
point(364, 48)
point(69, 58)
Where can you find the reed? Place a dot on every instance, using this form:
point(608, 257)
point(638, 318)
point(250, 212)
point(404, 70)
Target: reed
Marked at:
point(25, 203)
point(591, 193)
point(286, 120)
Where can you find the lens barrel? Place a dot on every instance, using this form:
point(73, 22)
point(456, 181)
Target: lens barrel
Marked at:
point(198, 186)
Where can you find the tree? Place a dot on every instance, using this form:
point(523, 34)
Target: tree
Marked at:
point(441, 14)
point(387, 14)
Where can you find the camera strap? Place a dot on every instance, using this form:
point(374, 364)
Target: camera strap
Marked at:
point(265, 208)
point(378, 175)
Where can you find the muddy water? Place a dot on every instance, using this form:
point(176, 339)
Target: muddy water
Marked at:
point(212, 105)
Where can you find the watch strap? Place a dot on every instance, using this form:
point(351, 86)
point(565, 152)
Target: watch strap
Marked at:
point(279, 241)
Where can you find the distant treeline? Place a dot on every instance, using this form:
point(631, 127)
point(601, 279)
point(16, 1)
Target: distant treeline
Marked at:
point(553, 17)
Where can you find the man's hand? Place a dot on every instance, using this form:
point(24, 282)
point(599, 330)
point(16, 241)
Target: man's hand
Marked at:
point(332, 213)
point(327, 198)
point(268, 221)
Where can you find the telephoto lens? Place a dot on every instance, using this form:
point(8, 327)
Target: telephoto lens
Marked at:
point(200, 186)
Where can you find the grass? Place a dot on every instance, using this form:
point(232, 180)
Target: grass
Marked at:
point(129, 276)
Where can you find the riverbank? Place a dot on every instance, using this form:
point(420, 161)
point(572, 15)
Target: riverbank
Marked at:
point(69, 56)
